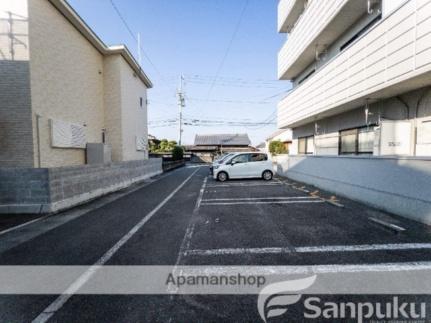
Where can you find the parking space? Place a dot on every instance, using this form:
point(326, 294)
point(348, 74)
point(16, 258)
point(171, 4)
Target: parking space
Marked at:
point(253, 222)
point(187, 218)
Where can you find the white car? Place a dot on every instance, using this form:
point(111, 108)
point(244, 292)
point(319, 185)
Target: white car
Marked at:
point(244, 165)
point(219, 161)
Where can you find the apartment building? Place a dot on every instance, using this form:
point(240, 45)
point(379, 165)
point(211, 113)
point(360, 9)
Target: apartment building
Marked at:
point(360, 106)
point(62, 88)
point(361, 74)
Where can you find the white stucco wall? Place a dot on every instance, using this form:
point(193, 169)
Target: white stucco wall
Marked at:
point(397, 185)
point(388, 6)
point(134, 117)
point(408, 106)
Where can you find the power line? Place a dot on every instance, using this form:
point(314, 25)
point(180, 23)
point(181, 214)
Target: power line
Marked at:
point(210, 78)
point(212, 122)
point(241, 85)
point(230, 101)
point(277, 94)
point(132, 34)
point(228, 48)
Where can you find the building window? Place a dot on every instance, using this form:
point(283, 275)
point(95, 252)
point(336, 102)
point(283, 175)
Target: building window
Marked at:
point(360, 33)
point(306, 77)
point(141, 102)
point(306, 145)
point(357, 141)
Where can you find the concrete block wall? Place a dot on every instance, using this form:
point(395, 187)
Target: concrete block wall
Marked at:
point(16, 134)
point(171, 165)
point(23, 189)
point(397, 185)
point(48, 190)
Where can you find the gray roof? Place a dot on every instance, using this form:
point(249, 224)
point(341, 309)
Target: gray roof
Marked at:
point(240, 139)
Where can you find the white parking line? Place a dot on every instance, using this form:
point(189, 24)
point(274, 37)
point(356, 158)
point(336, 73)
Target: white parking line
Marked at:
point(370, 247)
point(58, 303)
point(311, 249)
point(185, 244)
point(265, 202)
point(263, 198)
point(244, 184)
point(237, 251)
point(388, 224)
point(190, 228)
point(322, 269)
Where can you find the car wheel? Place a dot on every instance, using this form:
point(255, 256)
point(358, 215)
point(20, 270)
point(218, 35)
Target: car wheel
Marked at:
point(267, 175)
point(222, 176)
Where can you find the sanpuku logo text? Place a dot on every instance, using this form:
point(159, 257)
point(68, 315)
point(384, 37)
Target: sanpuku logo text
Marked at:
point(275, 299)
point(315, 309)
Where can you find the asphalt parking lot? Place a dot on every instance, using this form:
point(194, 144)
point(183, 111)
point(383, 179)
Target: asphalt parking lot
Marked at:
point(187, 218)
point(252, 222)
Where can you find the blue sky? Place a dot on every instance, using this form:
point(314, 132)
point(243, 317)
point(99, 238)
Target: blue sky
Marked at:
point(191, 37)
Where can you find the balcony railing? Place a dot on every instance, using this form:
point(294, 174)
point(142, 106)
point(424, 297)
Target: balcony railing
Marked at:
point(396, 50)
point(315, 18)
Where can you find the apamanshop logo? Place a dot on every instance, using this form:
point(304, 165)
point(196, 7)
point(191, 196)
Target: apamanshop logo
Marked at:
point(274, 299)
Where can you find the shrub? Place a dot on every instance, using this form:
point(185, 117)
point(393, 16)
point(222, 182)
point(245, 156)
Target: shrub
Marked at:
point(177, 153)
point(164, 146)
point(277, 148)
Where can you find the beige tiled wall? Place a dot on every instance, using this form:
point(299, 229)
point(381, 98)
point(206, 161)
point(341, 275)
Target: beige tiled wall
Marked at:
point(66, 82)
point(112, 99)
point(58, 74)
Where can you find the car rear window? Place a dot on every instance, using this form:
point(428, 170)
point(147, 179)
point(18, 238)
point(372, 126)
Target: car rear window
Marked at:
point(258, 157)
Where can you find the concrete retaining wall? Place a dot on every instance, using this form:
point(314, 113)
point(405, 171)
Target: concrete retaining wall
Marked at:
point(48, 190)
point(398, 185)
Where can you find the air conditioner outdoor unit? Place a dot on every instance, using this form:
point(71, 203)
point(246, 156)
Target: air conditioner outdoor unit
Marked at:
point(98, 153)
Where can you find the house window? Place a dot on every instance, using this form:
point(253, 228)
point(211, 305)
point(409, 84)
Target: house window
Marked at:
point(141, 102)
point(357, 141)
point(306, 145)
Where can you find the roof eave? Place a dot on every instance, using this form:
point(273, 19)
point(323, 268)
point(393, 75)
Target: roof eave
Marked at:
point(73, 17)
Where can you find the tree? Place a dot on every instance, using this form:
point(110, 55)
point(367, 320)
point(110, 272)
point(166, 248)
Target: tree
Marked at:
point(177, 153)
point(162, 146)
point(165, 146)
point(153, 147)
point(171, 145)
point(277, 148)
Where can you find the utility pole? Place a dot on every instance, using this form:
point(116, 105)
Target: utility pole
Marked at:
point(181, 105)
point(11, 36)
